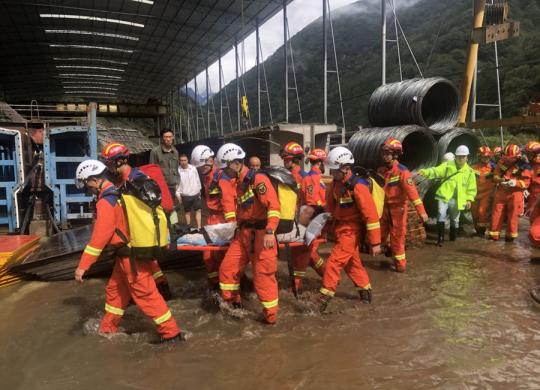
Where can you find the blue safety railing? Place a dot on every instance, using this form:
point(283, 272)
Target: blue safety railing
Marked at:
point(64, 148)
point(11, 176)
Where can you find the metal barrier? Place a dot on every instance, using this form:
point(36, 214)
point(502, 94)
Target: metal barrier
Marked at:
point(11, 176)
point(64, 148)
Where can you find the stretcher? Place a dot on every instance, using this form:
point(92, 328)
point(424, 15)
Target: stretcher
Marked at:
point(284, 247)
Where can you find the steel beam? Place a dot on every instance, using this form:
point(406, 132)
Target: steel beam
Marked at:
point(286, 61)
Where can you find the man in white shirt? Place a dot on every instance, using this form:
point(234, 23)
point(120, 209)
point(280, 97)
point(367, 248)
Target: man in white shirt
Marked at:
point(188, 191)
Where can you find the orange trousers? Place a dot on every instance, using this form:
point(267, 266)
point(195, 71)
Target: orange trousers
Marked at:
point(533, 196)
point(212, 259)
point(509, 204)
point(534, 231)
point(157, 273)
point(246, 247)
point(480, 211)
point(394, 223)
point(302, 257)
point(123, 286)
point(345, 255)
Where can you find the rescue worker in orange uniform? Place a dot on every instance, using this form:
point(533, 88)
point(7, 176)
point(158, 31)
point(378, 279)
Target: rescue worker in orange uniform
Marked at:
point(221, 209)
point(399, 189)
point(313, 189)
point(513, 177)
point(129, 280)
point(484, 189)
point(532, 151)
point(257, 215)
point(351, 205)
point(115, 155)
point(497, 154)
point(292, 155)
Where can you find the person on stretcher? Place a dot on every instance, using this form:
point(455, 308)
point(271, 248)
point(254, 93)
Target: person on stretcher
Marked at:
point(222, 233)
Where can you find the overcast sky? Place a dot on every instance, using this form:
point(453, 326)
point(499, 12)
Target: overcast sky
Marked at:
point(300, 13)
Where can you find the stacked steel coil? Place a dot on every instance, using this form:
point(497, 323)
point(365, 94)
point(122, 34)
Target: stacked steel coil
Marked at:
point(431, 102)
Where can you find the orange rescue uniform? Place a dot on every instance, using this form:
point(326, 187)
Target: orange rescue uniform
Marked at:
point(257, 210)
point(123, 285)
point(219, 194)
point(399, 188)
point(534, 189)
point(313, 189)
point(484, 191)
point(509, 200)
point(352, 206)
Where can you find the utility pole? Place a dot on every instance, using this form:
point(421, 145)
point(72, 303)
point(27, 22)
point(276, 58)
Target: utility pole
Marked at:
point(257, 47)
point(383, 42)
point(325, 66)
point(286, 64)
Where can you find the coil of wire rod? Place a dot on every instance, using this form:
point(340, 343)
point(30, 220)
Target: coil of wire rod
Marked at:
point(451, 139)
point(430, 102)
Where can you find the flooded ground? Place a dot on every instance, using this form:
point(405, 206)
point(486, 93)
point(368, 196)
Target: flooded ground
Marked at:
point(460, 318)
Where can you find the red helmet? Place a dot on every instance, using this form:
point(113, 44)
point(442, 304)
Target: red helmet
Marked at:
point(497, 150)
point(292, 150)
point(532, 147)
point(484, 151)
point(317, 154)
point(512, 150)
point(393, 145)
point(114, 151)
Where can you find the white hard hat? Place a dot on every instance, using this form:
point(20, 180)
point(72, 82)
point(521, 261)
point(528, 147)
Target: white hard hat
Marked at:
point(228, 153)
point(449, 157)
point(462, 150)
point(87, 169)
point(200, 155)
point(338, 157)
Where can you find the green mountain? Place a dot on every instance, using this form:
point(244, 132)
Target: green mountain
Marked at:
point(437, 31)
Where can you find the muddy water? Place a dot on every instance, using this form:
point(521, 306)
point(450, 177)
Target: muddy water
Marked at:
point(459, 318)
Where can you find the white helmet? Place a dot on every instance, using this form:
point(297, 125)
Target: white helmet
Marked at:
point(462, 150)
point(448, 157)
point(86, 169)
point(338, 157)
point(200, 155)
point(228, 153)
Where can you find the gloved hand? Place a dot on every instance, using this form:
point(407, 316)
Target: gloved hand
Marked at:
point(509, 183)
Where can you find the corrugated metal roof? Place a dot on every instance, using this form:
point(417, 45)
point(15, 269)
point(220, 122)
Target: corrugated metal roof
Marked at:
point(137, 49)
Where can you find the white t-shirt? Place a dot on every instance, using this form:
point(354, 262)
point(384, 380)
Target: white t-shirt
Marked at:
point(190, 184)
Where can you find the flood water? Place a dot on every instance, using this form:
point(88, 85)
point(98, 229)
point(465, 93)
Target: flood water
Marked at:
point(460, 318)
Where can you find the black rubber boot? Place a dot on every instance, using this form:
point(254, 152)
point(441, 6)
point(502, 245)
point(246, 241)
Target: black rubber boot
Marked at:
point(481, 231)
point(453, 233)
point(164, 290)
point(440, 233)
point(365, 295)
point(324, 300)
point(173, 340)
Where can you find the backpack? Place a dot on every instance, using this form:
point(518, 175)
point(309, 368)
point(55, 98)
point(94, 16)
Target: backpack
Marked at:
point(147, 222)
point(375, 183)
point(287, 191)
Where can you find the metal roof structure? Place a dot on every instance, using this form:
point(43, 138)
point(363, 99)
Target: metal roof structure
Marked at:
point(116, 50)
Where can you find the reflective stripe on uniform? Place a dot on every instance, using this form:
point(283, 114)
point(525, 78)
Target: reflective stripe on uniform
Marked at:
point(373, 226)
point(319, 263)
point(157, 274)
point(213, 275)
point(400, 257)
point(230, 214)
point(273, 213)
point(327, 292)
point(92, 251)
point(229, 287)
point(345, 200)
point(522, 184)
point(513, 235)
point(319, 203)
point(165, 317)
point(271, 304)
point(367, 287)
point(300, 274)
point(417, 202)
point(494, 234)
point(114, 310)
point(247, 196)
point(393, 179)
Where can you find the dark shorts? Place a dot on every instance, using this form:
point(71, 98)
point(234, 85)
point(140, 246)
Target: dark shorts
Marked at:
point(191, 202)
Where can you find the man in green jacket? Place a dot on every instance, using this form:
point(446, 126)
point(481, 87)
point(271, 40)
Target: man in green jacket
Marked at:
point(456, 191)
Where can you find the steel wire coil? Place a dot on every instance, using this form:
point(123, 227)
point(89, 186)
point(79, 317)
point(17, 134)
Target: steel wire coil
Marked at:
point(451, 139)
point(430, 102)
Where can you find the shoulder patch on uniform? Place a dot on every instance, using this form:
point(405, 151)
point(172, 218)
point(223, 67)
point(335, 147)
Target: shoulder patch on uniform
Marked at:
point(410, 181)
point(261, 188)
point(309, 189)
